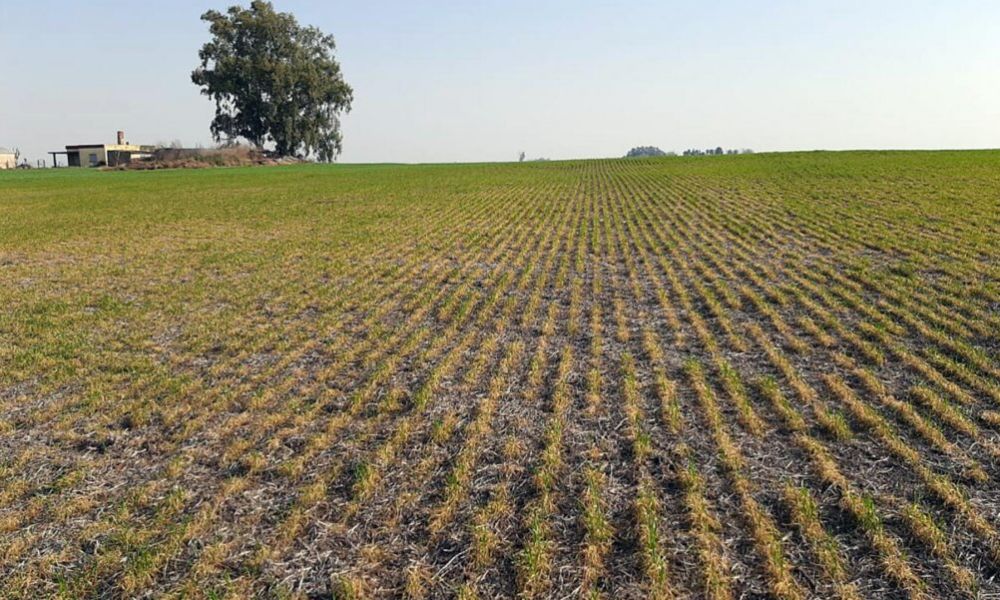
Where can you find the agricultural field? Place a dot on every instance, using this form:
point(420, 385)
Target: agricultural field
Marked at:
point(720, 377)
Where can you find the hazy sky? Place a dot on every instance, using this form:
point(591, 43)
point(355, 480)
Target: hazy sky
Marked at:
point(470, 81)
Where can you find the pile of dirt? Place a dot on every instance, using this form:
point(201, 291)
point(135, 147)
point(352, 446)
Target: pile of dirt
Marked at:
point(203, 158)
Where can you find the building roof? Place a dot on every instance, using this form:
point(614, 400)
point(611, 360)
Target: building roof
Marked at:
point(124, 147)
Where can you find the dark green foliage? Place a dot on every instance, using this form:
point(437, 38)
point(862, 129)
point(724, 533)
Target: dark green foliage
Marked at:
point(645, 151)
point(273, 81)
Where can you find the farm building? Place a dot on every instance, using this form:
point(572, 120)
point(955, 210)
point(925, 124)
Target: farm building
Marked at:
point(7, 159)
point(93, 155)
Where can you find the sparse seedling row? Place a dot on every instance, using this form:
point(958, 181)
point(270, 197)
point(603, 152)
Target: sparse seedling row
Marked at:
point(656, 378)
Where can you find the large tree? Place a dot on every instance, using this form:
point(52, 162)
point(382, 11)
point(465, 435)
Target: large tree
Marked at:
point(273, 81)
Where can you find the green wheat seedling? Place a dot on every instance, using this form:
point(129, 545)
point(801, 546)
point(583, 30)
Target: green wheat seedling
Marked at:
point(501, 379)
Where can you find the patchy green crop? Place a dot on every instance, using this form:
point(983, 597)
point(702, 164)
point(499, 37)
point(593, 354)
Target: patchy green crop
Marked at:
point(687, 377)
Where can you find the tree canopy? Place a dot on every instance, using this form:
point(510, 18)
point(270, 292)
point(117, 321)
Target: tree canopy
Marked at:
point(639, 151)
point(273, 82)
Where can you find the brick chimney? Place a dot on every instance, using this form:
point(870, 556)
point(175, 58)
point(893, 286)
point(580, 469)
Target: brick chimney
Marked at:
point(121, 138)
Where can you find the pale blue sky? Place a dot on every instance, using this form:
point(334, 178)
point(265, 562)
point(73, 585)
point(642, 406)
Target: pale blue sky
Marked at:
point(470, 81)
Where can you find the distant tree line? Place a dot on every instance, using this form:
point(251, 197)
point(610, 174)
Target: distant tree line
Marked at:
point(646, 151)
point(643, 151)
point(716, 152)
